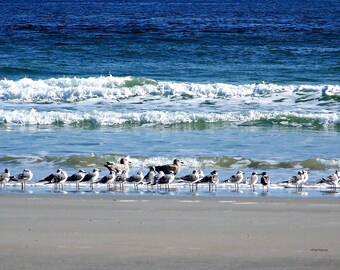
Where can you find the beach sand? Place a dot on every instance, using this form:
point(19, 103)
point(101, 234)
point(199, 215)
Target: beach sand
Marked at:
point(141, 232)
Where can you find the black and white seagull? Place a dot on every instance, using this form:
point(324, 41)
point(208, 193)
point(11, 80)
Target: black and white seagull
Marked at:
point(332, 179)
point(212, 179)
point(236, 179)
point(135, 179)
point(23, 177)
point(76, 178)
point(92, 177)
point(265, 180)
point(108, 179)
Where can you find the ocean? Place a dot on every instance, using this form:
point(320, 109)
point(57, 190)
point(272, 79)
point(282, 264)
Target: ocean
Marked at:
point(220, 85)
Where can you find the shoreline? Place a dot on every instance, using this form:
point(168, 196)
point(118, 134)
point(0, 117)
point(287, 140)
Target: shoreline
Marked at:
point(180, 190)
point(112, 232)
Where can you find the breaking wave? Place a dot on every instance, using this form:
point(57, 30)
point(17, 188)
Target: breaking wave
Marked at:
point(113, 88)
point(137, 162)
point(110, 118)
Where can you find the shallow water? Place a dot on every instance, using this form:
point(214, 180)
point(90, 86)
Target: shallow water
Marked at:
point(222, 191)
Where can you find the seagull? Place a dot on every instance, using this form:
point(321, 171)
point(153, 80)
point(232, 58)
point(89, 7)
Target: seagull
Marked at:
point(4, 178)
point(23, 177)
point(48, 179)
point(157, 178)
point(58, 178)
point(265, 180)
point(298, 179)
point(175, 167)
point(332, 179)
point(121, 177)
point(211, 179)
point(305, 177)
point(150, 177)
point(253, 180)
point(135, 179)
point(77, 177)
point(200, 174)
point(108, 179)
point(190, 177)
point(122, 165)
point(166, 179)
point(92, 177)
point(236, 178)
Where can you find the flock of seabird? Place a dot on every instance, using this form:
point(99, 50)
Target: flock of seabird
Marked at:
point(160, 176)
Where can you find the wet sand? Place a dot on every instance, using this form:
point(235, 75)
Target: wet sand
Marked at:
point(119, 232)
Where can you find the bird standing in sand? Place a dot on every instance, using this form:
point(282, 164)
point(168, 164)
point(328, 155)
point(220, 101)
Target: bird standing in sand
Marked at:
point(175, 167)
point(123, 165)
point(4, 178)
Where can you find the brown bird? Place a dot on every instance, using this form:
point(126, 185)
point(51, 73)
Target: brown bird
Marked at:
point(123, 165)
point(168, 168)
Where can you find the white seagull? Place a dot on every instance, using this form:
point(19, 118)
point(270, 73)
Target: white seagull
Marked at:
point(305, 177)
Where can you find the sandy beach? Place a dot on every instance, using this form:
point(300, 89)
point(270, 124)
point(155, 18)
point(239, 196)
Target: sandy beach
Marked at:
point(119, 232)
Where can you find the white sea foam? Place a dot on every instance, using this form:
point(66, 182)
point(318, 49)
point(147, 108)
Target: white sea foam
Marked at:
point(111, 118)
point(112, 88)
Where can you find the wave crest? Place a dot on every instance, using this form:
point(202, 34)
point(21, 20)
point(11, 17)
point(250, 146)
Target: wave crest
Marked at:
point(76, 161)
point(113, 88)
point(111, 118)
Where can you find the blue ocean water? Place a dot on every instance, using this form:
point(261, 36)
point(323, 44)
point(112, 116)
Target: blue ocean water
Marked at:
point(226, 85)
